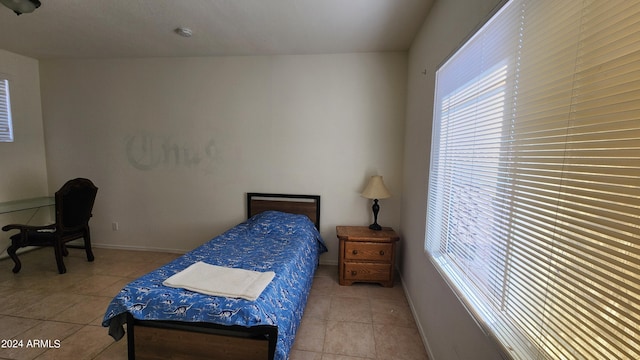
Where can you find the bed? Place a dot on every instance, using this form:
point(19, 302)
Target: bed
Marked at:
point(280, 235)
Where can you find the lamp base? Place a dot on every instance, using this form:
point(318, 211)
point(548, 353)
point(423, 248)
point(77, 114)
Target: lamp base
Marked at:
point(375, 208)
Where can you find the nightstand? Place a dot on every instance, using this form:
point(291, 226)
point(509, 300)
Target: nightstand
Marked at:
point(366, 255)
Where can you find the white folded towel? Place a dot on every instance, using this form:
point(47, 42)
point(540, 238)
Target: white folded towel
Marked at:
point(221, 281)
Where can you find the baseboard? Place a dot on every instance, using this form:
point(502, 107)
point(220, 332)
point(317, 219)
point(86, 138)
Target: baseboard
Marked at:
point(4, 255)
point(139, 248)
point(173, 251)
point(328, 262)
point(415, 319)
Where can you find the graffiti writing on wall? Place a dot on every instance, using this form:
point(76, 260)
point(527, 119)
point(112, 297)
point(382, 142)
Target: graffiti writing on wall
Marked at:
point(148, 152)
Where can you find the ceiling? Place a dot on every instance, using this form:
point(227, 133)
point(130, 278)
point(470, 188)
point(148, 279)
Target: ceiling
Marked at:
point(145, 28)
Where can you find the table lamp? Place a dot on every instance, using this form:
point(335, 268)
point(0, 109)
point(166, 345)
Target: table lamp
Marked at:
point(375, 190)
point(21, 6)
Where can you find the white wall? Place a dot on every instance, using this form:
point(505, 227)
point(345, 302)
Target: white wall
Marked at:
point(22, 162)
point(23, 172)
point(175, 143)
point(449, 330)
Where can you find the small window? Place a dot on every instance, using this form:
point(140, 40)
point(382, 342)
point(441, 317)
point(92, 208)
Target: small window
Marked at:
point(6, 130)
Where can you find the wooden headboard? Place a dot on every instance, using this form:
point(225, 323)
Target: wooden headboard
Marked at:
point(296, 204)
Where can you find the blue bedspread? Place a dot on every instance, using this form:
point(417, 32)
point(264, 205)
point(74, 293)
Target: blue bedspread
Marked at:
point(284, 243)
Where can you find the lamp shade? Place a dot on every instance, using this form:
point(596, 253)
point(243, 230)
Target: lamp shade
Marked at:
point(21, 6)
point(375, 189)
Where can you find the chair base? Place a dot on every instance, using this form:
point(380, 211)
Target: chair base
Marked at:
point(11, 250)
point(59, 251)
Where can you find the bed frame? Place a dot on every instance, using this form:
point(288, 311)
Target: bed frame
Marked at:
point(148, 339)
point(296, 204)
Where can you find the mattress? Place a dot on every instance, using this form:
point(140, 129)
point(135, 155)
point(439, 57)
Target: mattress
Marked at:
point(287, 244)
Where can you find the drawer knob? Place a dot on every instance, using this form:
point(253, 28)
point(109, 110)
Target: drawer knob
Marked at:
point(381, 252)
point(355, 252)
point(354, 273)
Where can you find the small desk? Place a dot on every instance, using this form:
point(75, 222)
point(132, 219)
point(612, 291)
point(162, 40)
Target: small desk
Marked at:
point(27, 211)
point(26, 204)
point(10, 213)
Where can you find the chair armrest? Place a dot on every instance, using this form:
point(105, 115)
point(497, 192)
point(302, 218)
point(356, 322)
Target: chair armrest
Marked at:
point(27, 227)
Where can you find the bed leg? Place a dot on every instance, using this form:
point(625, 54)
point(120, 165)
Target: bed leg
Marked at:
point(273, 340)
point(131, 346)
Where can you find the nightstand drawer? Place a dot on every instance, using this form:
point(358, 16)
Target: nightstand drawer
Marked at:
point(368, 251)
point(367, 271)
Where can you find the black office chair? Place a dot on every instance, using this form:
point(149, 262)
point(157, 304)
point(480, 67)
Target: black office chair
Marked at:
point(74, 203)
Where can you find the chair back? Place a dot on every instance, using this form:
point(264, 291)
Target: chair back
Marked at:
point(74, 203)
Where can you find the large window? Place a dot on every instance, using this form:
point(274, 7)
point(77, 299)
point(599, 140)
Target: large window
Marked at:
point(6, 131)
point(534, 187)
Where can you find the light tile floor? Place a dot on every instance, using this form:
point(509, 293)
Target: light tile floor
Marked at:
point(58, 316)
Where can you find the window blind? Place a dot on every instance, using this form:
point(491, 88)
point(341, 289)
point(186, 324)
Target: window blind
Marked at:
point(534, 185)
point(6, 131)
